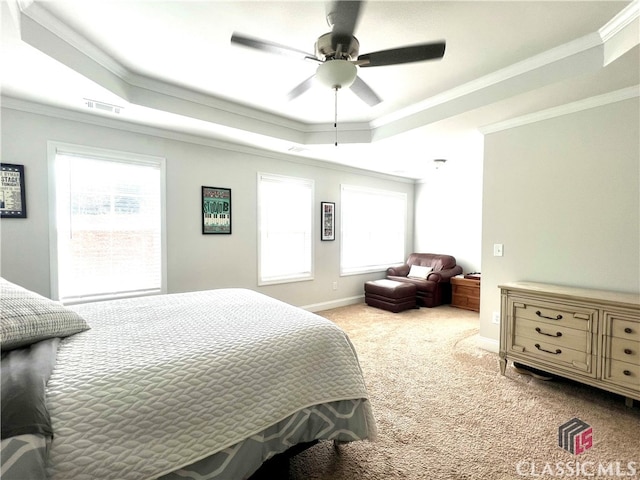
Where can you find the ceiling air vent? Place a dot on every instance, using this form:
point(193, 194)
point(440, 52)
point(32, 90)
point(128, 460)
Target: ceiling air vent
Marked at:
point(105, 107)
point(296, 149)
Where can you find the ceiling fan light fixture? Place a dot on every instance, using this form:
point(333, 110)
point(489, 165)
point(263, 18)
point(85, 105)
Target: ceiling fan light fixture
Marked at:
point(336, 73)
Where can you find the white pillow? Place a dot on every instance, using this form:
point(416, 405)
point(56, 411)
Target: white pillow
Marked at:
point(419, 272)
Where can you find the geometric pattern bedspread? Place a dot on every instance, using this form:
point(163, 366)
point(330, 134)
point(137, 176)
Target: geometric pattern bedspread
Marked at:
point(24, 457)
point(162, 382)
point(341, 421)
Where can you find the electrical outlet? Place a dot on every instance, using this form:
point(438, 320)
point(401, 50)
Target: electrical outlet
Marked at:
point(496, 317)
point(335, 285)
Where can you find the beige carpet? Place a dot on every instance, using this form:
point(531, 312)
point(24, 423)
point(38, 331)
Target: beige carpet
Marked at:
point(444, 411)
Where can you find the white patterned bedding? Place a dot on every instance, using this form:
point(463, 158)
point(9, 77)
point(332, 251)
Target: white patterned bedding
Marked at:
point(162, 382)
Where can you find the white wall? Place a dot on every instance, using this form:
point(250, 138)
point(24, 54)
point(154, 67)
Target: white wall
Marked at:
point(448, 213)
point(563, 196)
point(195, 261)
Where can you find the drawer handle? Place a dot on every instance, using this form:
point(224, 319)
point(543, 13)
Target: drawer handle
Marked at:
point(557, 352)
point(557, 334)
point(557, 317)
point(628, 330)
point(628, 351)
point(627, 373)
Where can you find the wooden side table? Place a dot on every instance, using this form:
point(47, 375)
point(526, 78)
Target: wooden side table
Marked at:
point(465, 293)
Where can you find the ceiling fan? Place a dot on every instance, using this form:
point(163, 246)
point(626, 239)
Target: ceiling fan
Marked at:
point(337, 52)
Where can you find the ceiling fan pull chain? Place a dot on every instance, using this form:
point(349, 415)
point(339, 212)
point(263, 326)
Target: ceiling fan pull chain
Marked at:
point(335, 118)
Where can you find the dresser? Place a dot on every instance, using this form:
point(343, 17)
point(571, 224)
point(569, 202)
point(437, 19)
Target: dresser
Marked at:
point(465, 293)
point(591, 336)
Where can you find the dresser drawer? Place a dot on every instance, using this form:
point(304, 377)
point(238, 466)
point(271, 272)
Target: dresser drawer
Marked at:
point(622, 373)
point(622, 349)
point(576, 360)
point(621, 328)
point(554, 314)
point(558, 335)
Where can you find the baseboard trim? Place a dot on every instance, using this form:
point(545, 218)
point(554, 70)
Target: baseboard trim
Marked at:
point(342, 302)
point(489, 344)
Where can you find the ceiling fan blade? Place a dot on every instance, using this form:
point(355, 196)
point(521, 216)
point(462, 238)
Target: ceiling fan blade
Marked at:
point(343, 15)
point(364, 91)
point(271, 47)
point(300, 89)
point(396, 56)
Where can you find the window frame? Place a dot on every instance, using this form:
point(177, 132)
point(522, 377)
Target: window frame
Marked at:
point(381, 267)
point(53, 149)
point(304, 277)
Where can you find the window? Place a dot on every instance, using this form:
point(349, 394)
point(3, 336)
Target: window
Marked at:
point(107, 234)
point(373, 226)
point(285, 224)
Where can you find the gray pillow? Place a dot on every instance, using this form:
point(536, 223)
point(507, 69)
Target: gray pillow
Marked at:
point(26, 317)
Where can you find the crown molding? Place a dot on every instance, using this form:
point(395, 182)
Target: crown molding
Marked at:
point(518, 69)
point(45, 32)
point(621, 21)
point(569, 108)
point(14, 12)
point(137, 128)
point(35, 12)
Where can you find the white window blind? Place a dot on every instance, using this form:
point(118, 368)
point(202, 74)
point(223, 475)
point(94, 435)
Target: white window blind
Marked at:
point(109, 225)
point(373, 229)
point(285, 228)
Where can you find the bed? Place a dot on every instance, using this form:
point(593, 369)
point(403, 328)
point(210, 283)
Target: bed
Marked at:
point(205, 385)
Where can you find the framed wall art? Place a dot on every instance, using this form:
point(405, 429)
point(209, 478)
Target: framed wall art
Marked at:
point(12, 194)
point(216, 210)
point(327, 221)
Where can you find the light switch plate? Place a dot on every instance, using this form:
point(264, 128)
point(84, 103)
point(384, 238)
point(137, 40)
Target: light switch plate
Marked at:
point(497, 249)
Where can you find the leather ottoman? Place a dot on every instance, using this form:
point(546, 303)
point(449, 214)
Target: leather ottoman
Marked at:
point(390, 295)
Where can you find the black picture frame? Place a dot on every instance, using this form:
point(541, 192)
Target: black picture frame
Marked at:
point(327, 221)
point(216, 211)
point(13, 202)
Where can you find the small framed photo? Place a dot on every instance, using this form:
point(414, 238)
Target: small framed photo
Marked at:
point(216, 210)
point(12, 193)
point(327, 221)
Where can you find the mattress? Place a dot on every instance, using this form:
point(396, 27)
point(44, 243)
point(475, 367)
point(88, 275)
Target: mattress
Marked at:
point(162, 383)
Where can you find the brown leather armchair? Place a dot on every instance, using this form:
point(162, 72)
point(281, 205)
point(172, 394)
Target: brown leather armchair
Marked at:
point(433, 286)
